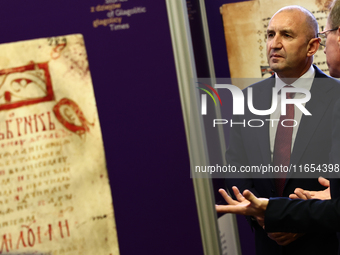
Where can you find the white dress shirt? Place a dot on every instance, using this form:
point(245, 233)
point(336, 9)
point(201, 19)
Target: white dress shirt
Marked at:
point(305, 82)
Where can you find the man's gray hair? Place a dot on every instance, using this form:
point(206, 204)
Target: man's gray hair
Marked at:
point(334, 15)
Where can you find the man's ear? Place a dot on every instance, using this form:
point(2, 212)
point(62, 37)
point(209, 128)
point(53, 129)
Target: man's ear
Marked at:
point(313, 46)
point(338, 37)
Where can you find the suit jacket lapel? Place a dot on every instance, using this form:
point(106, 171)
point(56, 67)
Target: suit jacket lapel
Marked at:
point(317, 106)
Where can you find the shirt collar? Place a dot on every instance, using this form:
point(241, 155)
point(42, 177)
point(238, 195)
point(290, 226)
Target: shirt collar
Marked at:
point(305, 81)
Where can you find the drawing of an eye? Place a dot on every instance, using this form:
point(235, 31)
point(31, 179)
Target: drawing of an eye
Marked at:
point(20, 83)
point(23, 86)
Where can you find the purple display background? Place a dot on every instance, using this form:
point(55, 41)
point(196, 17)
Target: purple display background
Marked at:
point(138, 101)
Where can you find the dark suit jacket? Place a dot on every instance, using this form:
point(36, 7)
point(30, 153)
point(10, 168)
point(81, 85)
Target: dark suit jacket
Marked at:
point(311, 215)
point(250, 146)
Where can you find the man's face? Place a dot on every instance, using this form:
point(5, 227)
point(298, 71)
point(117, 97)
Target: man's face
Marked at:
point(332, 51)
point(287, 44)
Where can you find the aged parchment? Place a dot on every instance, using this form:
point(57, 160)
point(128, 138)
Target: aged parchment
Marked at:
point(55, 196)
point(245, 25)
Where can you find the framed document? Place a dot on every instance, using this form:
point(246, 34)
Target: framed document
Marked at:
point(55, 196)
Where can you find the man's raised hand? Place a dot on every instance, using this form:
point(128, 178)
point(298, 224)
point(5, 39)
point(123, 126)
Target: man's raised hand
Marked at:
point(246, 204)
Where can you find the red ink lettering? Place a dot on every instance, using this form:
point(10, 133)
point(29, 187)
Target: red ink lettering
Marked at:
point(19, 120)
point(4, 243)
point(61, 229)
point(8, 132)
point(51, 124)
point(21, 238)
point(30, 237)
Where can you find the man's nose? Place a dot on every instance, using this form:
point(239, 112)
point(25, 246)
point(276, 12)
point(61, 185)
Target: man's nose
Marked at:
point(276, 42)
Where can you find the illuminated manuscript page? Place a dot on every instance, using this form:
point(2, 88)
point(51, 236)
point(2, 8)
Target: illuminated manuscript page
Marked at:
point(245, 26)
point(55, 196)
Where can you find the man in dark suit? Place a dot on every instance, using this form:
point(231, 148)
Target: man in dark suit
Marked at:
point(296, 216)
point(291, 44)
